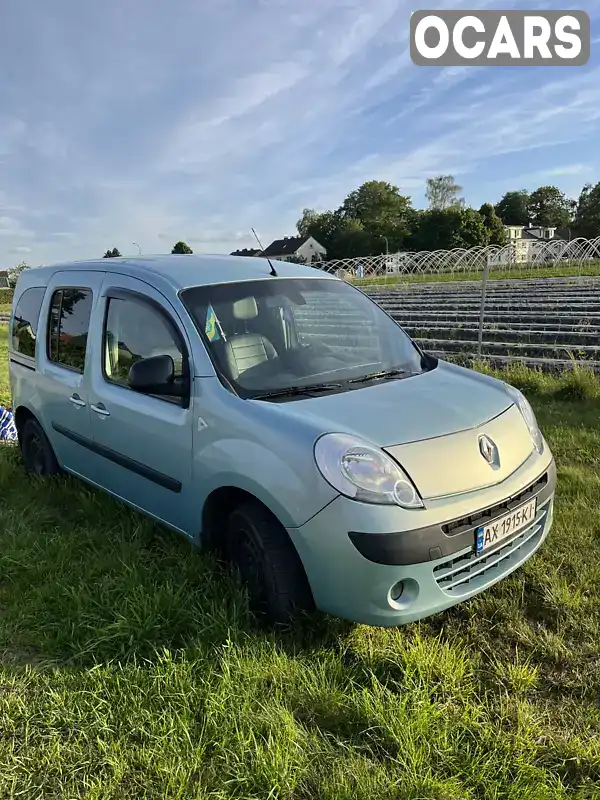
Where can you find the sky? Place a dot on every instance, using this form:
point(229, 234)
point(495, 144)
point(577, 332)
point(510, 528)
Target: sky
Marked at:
point(129, 122)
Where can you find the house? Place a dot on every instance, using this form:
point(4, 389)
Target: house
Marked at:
point(536, 232)
point(3, 279)
point(528, 243)
point(295, 247)
point(248, 252)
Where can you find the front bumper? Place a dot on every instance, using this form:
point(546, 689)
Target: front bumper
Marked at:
point(355, 554)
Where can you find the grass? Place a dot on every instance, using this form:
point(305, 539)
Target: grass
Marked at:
point(5, 308)
point(131, 668)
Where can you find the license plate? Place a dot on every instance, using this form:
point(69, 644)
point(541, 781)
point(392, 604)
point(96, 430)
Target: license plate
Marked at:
point(490, 535)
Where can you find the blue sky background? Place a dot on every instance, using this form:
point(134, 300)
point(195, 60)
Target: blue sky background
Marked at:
point(129, 121)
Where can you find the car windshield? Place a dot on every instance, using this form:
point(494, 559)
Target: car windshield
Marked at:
point(268, 336)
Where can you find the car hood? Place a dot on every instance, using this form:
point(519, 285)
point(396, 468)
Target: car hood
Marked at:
point(446, 400)
point(431, 424)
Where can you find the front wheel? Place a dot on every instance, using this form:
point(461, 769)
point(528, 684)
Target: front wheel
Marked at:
point(268, 564)
point(36, 451)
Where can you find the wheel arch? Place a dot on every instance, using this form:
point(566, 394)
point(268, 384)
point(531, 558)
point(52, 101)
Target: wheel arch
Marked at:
point(21, 415)
point(217, 507)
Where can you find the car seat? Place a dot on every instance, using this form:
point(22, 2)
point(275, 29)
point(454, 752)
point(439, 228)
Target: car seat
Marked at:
point(246, 350)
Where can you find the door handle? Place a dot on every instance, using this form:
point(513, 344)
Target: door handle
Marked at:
point(100, 410)
point(77, 401)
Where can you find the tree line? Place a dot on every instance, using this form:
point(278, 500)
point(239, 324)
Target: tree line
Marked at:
point(376, 218)
point(180, 248)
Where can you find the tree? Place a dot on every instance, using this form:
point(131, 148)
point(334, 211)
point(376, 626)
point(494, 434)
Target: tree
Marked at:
point(14, 272)
point(513, 208)
point(442, 192)
point(587, 214)
point(181, 248)
point(322, 225)
point(114, 253)
point(382, 213)
point(472, 231)
point(449, 228)
point(352, 239)
point(550, 208)
point(493, 225)
point(341, 237)
point(375, 202)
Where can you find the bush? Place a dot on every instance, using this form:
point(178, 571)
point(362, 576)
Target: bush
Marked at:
point(6, 295)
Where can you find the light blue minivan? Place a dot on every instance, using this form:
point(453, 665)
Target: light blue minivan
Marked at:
point(277, 415)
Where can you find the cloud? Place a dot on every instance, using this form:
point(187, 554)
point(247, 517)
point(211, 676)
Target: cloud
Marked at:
point(233, 115)
point(20, 250)
point(11, 228)
point(568, 175)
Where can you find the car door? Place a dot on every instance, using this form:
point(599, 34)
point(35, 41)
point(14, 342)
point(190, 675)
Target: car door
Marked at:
point(145, 440)
point(63, 357)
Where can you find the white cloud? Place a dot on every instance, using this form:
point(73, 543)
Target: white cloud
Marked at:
point(545, 177)
point(11, 228)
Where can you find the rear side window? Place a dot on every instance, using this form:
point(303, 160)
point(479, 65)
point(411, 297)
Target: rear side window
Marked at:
point(25, 321)
point(68, 325)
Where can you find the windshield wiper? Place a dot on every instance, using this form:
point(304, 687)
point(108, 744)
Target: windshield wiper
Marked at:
point(298, 390)
point(385, 373)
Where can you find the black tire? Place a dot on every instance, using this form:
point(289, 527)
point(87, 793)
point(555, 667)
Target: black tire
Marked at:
point(36, 451)
point(259, 548)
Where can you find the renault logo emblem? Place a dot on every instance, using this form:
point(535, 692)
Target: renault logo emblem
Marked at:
point(488, 449)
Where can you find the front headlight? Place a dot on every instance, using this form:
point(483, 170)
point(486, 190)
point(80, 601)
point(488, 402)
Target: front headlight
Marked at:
point(361, 471)
point(526, 410)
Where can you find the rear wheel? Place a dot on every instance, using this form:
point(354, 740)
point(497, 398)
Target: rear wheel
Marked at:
point(268, 564)
point(36, 450)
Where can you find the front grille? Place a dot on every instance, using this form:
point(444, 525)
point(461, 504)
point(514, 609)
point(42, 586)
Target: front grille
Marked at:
point(483, 517)
point(465, 573)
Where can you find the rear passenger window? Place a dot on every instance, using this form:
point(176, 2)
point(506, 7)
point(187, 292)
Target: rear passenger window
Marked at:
point(25, 321)
point(69, 322)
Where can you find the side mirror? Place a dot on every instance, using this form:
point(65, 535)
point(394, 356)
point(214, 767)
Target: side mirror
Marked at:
point(155, 375)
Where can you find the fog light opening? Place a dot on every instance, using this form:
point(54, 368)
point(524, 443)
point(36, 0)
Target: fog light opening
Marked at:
point(402, 594)
point(397, 591)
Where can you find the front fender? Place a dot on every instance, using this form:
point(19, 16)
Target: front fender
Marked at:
point(293, 489)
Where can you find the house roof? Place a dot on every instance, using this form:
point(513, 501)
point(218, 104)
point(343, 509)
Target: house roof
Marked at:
point(531, 233)
point(247, 251)
point(285, 247)
point(559, 233)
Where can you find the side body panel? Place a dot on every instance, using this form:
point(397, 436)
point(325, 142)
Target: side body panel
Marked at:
point(142, 444)
point(255, 446)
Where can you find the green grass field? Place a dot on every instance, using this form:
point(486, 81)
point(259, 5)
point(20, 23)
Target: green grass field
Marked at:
point(130, 667)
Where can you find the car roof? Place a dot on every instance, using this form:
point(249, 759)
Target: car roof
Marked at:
point(184, 271)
